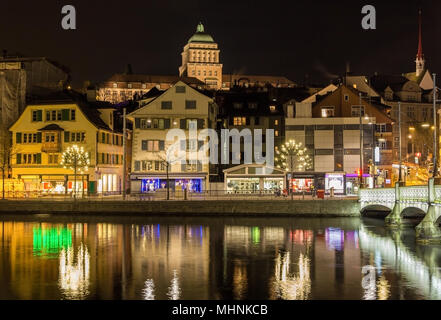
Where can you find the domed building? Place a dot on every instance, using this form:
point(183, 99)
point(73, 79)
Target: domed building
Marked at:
point(200, 59)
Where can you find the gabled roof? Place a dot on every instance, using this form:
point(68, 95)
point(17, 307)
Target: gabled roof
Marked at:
point(71, 97)
point(381, 82)
point(149, 101)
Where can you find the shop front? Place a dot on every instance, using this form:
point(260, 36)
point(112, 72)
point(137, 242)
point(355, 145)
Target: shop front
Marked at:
point(335, 183)
point(251, 179)
point(155, 184)
point(306, 182)
point(178, 183)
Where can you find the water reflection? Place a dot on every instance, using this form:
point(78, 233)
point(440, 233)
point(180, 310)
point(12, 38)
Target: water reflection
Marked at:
point(161, 259)
point(149, 290)
point(75, 272)
point(290, 286)
point(174, 291)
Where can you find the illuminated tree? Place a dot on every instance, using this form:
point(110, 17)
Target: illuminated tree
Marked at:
point(292, 157)
point(76, 159)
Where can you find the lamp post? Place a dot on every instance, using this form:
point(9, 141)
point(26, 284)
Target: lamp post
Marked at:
point(361, 142)
point(399, 139)
point(124, 154)
point(435, 144)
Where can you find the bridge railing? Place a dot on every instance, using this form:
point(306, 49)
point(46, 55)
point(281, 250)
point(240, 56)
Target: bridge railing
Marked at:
point(383, 195)
point(414, 194)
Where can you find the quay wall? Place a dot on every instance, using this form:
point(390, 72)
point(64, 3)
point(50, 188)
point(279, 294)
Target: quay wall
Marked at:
point(302, 208)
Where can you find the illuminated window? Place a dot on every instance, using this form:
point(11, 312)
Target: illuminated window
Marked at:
point(240, 121)
point(276, 122)
point(129, 86)
point(328, 112)
point(115, 85)
point(272, 108)
point(276, 133)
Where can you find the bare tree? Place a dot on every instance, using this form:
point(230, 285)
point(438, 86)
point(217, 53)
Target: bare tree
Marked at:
point(7, 151)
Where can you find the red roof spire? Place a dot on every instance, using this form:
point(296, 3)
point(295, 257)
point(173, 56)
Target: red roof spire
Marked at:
point(420, 54)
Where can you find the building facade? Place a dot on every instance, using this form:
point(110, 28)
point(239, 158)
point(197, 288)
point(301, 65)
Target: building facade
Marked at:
point(124, 87)
point(331, 131)
point(201, 59)
point(47, 128)
point(180, 107)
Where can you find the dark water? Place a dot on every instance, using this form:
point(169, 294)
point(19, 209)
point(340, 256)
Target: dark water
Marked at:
point(213, 258)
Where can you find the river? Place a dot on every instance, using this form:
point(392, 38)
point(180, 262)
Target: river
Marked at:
point(178, 258)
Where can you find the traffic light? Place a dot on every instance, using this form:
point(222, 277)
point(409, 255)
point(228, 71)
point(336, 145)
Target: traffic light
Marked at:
point(358, 172)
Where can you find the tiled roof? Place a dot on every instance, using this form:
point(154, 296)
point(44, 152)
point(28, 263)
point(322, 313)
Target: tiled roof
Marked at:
point(65, 97)
point(146, 78)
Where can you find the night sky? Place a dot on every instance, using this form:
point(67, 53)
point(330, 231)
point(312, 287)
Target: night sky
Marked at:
point(291, 38)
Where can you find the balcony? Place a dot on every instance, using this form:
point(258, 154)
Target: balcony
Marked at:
point(51, 147)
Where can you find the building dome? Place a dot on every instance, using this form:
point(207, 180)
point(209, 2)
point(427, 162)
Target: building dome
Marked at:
point(201, 36)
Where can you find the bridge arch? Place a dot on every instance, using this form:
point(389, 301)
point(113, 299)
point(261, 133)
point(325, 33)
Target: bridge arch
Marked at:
point(414, 212)
point(375, 211)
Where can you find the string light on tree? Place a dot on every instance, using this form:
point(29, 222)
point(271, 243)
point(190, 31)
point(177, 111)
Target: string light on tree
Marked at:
point(76, 159)
point(292, 157)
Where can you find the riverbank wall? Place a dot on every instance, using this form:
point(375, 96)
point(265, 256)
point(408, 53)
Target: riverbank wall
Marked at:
point(298, 208)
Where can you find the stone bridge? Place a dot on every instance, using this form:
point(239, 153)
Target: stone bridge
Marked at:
point(422, 199)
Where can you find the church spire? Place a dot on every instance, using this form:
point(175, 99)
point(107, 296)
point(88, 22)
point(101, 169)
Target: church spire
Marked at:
point(420, 62)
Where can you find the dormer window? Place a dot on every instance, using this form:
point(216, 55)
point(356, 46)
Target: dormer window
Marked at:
point(272, 108)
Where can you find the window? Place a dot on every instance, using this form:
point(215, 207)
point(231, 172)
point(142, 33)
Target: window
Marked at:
point(53, 159)
point(28, 138)
point(355, 111)
point(252, 105)
point(29, 158)
point(37, 115)
point(240, 121)
point(381, 127)
point(166, 105)
point(180, 89)
point(276, 133)
point(237, 105)
point(190, 104)
point(144, 86)
point(72, 115)
point(328, 112)
point(79, 136)
point(346, 97)
point(272, 108)
point(115, 85)
point(411, 112)
point(129, 86)
point(153, 145)
point(50, 137)
point(276, 122)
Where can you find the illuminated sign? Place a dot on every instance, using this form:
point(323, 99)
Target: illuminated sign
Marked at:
point(377, 154)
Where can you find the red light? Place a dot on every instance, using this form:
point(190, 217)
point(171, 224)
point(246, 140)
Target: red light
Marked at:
point(418, 154)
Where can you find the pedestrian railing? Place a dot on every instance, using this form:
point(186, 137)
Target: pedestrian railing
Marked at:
point(161, 195)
